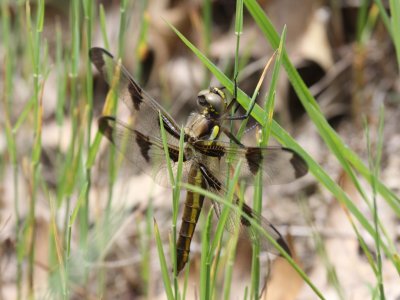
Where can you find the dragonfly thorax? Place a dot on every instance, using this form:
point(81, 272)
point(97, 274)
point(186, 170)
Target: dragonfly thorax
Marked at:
point(201, 126)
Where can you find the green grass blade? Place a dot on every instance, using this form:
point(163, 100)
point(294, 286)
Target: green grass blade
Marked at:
point(163, 263)
point(175, 204)
point(103, 27)
point(142, 44)
point(94, 148)
point(230, 264)
point(225, 211)
point(122, 27)
point(81, 200)
point(395, 25)
point(61, 77)
point(175, 194)
point(270, 101)
point(375, 164)
point(384, 16)
point(238, 32)
point(165, 145)
point(205, 290)
point(361, 19)
point(235, 235)
point(179, 173)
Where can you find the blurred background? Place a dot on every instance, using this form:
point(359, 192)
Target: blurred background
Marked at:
point(62, 203)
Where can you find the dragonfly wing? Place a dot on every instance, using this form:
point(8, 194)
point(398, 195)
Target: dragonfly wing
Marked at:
point(144, 152)
point(144, 109)
point(235, 218)
point(278, 164)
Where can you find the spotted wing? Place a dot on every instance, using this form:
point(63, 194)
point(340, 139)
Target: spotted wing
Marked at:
point(235, 218)
point(278, 165)
point(143, 108)
point(144, 152)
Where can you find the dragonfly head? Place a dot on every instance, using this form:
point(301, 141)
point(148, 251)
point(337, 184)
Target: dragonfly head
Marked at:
point(212, 100)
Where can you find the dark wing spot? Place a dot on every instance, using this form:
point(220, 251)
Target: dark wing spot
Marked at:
point(281, 241)
point(245, 222)
point(96, 56)
point(248, 212)
point(136, 94)
point(144, 145)
point(254, 159)
point(105, 128)
point(173, 154)
point(284, 245)
point(299, 165)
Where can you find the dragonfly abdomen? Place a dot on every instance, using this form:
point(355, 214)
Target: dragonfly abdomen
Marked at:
point(191, 213)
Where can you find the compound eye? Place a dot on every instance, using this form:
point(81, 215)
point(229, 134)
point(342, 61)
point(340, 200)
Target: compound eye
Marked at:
point(201, 97)
point(215, 101)
point(201, 100)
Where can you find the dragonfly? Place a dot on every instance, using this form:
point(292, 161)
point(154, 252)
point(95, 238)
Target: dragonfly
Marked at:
point(206, 156)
